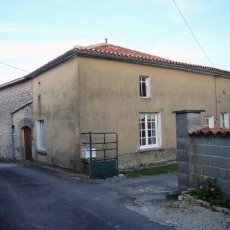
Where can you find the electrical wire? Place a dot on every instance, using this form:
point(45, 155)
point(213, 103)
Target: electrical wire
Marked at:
point(15, 67)
point(193, 34)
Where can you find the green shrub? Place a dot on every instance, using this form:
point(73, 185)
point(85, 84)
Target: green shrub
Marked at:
point(208, 190)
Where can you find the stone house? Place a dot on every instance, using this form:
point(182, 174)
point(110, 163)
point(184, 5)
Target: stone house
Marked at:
point(107, 88)
point(16, 121)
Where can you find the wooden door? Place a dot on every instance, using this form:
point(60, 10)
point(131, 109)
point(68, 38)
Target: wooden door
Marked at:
point(27, 143)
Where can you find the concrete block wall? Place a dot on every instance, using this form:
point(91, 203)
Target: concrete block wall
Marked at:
point(201, 155)
point(211, 157)
point(12, 98)
point(185, 120)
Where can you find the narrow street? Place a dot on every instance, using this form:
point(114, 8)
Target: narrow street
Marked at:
point(37, 197)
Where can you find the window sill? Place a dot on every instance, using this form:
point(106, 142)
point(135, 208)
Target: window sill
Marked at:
point(41, 152)
point(151, 149)
point(149, 97)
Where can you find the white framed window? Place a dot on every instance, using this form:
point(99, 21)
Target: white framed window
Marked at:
point(149, 130)
point(224, 120)
point(40, 128)
point(144, 86)
point(209, 122)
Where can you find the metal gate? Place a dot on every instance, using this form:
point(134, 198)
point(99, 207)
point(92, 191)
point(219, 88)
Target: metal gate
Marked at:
point(100, 154)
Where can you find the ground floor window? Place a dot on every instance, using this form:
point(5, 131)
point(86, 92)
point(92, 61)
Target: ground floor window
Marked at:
point(40, 128)
point(209, 122)
point(149, 130)
point(224, 120)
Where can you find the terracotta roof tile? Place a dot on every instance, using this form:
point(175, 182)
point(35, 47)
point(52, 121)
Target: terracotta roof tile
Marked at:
point(211, 132)
point(116, 51)
point(113, 52)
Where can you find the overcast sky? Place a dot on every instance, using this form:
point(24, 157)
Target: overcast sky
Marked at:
point(32, 32)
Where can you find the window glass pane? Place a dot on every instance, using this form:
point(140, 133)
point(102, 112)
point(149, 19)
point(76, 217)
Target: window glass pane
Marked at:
point(149, 133)
point(143, 125)
point(143, 142)
point(143, 133)
point(143, 90)
point(149, 125)
point(150, 141)
point(140, 89)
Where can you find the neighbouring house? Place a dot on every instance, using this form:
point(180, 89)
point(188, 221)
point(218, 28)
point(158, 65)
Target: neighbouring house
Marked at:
point(107, 88)
point(16, 121)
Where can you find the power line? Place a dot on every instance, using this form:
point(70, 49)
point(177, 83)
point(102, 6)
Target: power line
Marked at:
point(15, 67)
point(193, 35)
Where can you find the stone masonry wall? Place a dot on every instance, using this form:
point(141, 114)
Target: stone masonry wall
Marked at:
point(12, 98)
point(132, 160)
point(21, 118)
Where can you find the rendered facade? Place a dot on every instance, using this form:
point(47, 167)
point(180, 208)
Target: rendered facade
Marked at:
point(106, 88)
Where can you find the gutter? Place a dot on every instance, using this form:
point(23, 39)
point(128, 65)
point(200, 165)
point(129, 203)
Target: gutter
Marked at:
point(94, 54)
point(150, 63)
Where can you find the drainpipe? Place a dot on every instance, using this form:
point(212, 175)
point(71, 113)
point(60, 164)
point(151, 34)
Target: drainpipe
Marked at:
point(12, 135)
point(216, 101)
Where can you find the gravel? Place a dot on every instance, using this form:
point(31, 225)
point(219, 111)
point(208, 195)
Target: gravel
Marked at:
point(147, 196)
point(182, 215)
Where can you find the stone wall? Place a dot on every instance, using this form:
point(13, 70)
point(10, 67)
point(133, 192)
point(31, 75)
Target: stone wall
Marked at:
point(133, 160)
point(13, 99)
point(205, 154)
point(21, 118)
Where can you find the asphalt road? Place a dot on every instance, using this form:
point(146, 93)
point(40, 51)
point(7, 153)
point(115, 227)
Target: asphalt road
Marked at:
point(36, 197)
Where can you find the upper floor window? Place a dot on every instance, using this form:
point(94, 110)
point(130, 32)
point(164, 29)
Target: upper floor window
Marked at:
point(209, 122)
point(144, 86)
point(40, 127)
point(224, 120)
point(149, 130)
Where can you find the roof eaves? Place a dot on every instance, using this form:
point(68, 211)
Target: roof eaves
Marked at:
point(84, 52)
point(13, 82)
point(160, 63)
point(60, 59)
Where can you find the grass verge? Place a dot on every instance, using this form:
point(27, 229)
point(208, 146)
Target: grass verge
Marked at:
point(152, 171)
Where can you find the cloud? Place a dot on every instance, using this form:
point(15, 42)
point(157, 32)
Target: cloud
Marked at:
point(13, 49)
point(30, 55)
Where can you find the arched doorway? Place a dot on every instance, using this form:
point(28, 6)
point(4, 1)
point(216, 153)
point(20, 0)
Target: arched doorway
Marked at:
point(27, 143)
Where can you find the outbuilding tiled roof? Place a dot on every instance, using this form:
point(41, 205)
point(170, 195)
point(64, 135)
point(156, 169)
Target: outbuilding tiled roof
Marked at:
point(211, 132)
